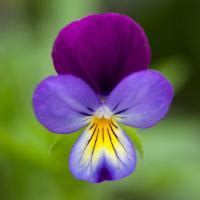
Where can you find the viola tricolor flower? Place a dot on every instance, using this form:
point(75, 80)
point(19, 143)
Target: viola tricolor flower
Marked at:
point(103, 82)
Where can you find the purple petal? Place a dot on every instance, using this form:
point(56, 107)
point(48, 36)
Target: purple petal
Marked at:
point(103, 152)
point(63, 103)
point(141, 99)
point(101, 49)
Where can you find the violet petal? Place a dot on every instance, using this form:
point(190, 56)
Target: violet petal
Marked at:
point(141, 99)
point(64, 103)
point(101, 49)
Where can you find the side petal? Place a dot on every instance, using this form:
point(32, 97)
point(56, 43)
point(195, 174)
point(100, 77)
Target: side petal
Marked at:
point(64, 103)
point(101, 49)
point(141, 99)
point(103, 152)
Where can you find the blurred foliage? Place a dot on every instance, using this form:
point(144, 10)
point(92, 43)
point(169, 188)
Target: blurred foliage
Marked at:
point(34, 162)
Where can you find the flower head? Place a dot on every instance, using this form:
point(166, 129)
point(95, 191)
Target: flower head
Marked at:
point(102, 84)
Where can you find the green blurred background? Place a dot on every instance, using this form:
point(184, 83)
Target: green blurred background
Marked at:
point(34, 162)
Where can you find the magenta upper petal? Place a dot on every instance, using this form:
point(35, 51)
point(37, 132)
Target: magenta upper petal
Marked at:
point(141, 99)
point(64, 103)
point(101, 49)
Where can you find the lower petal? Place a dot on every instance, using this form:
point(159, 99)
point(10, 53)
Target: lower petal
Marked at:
point(103, 152)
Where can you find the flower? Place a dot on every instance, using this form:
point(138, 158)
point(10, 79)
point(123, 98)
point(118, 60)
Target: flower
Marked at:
point(103, 82)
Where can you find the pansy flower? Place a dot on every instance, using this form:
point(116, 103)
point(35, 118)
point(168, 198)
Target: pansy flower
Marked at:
point(103, 82)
